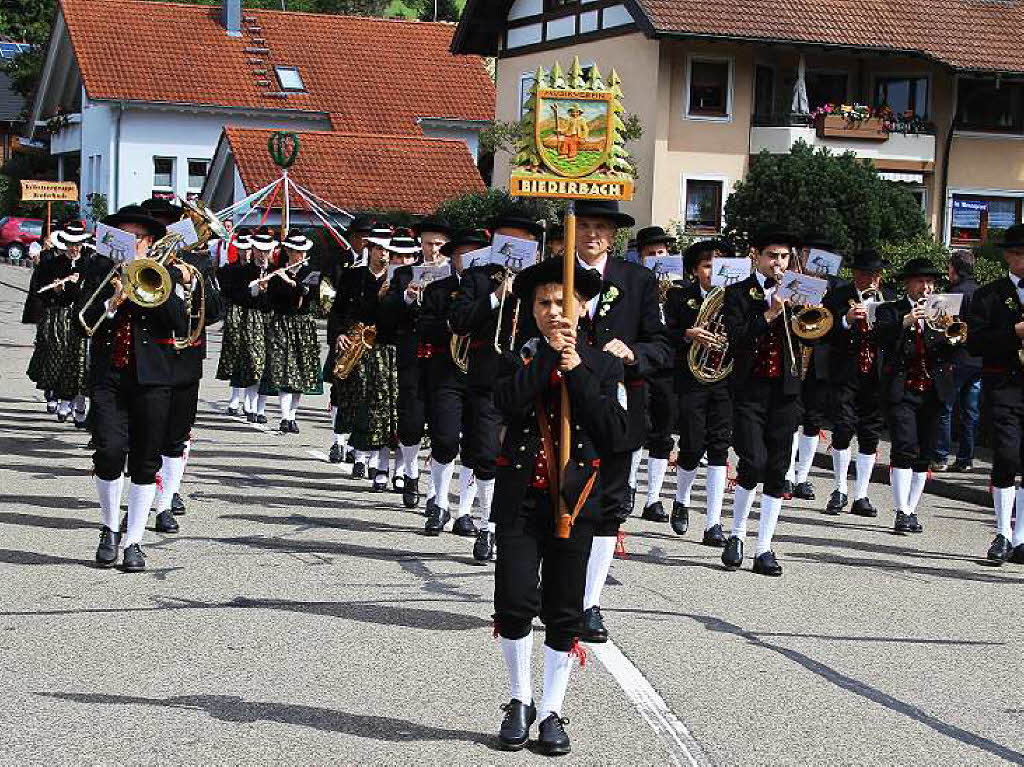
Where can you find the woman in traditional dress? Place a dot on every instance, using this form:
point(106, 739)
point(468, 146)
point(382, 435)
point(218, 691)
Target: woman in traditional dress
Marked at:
point(231, 366)
point(250, 291)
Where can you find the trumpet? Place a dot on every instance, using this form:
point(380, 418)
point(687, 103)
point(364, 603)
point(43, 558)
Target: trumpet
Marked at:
point(942, 322)
point(501, 277)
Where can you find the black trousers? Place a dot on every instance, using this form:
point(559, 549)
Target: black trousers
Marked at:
point(914, 430)
point(445, 398)
point(764, 419)
point(412, 382)
point(481, 438)
point(615, 493)
point(181, 417)
point(538, 575)
point(705, 425)
point(1004, 397)
point(813, 401)
point(857, 409)
point(661, 414)
point(129, 422)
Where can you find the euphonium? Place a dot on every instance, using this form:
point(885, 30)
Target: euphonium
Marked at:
point(707, 363)
point(361, 338)
point(811, 322)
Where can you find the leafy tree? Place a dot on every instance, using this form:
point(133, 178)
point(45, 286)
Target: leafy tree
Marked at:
point(477, 209)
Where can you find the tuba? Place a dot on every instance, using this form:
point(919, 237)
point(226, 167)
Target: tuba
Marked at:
point(708, 363)
point(362, 338)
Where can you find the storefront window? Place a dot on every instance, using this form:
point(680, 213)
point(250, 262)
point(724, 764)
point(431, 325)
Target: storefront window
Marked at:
point(975, 217)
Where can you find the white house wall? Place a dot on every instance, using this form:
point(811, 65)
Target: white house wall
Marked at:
point(97, 132)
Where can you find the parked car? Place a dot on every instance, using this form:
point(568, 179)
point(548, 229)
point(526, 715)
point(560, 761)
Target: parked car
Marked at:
point(16, 234)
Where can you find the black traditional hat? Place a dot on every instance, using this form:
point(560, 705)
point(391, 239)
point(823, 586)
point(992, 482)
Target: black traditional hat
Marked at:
point(478, 238)
point(819, 243)
point(403, 243)
point(242, 238)
point(72, 232)
point(653, 235)
point(432, 224)
point(264, 240)
point(918, 267)
point(297, 241)
point(163, 210)
point(868, 260)
point(511, 221)
point(136, 214)
point(608, 209)
point(774, 235)
point(693, 254)
point(1014, 237)
point(362, 223)
point(587, 282)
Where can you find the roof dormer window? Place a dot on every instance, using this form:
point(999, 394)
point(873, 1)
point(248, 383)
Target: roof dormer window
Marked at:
point(289, 78)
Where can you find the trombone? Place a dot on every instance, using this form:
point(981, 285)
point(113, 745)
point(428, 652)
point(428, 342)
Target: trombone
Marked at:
point(503, 276)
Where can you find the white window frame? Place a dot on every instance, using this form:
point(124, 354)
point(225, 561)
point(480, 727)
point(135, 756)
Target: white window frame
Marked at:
point(173, 188)
point(728, 117)
point(686, 178)
point(524, 95)
point(188, 174)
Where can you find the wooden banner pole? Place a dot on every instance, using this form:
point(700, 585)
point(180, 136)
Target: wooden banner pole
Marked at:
point(49, 217)
point(564, 524)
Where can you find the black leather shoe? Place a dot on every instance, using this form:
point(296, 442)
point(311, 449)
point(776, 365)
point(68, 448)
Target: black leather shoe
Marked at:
point(515, 726)
point(80, 423)
point(261, 418)
point(464, 526)
point(411, 492)
point(177, 505)
point(787, 490)
point(1017, 557)
point(335, 454)
point(166, 523)
point(380, 482)
point(836, 503)
point(284, 428)
point(593, 630)
point(483, 549)
point(714, 536)
point(51, 407)
point(106, 552)
point(430, 507)
point(234, 411)
point(680, 520)
point(436, 521)
point(804, 491)
point(133, 561)
point(1000, 551)
point(250, 417)
point(915, 526)
point(359, 470)
point(862, 508)
point(655, 513)
point(62, 417)
point(552, 739)
point(732, 555)
point(962, 466)
point(902, 524)
point(350, 456)
point(767, 564)
point(293, 427)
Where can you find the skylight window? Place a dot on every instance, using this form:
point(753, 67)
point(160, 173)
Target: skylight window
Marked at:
point(289, 78)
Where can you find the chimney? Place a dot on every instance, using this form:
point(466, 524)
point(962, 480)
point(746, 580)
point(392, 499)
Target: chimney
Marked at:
point(231, 17)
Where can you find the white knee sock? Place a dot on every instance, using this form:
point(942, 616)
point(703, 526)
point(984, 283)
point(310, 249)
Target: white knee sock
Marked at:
point(557, 666)
point(441, 473)
point(1018, 524)
point(431, 487)
point(808, 447)
point(410, 464)
point(916, 490)
point(361, 456)
point(171, 471)
point(384, 460)
point(684, 483)
point(467, 491)
point(770, 508)
point(261, 404)
point(140, 501)
point(284, 402)
point(1002, 501)
point(339, 440)
point(600, 562)
point(900, 481)
point(109, 492)
point(252, 398)
point(716, 492)
point(840, 469)
point(485, 491)
point(791, 473)
point(294, 409)
point(656, 468)
point(865, 464)
point(517, 653)
point(634, 467)
point(334, 414)
point(236, 396)
point(742, 501)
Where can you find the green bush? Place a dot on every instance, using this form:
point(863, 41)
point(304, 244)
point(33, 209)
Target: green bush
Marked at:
point(476, 209)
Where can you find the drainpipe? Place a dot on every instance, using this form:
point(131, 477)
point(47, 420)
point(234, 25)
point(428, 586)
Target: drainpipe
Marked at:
point(945, 158)
point(115, 197)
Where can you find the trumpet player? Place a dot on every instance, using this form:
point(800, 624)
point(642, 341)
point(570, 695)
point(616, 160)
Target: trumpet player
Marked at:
point(706, 403)
point(855, 379)
point(918, 379)
point(131, 375)
point(766, 390)
point(996, 334)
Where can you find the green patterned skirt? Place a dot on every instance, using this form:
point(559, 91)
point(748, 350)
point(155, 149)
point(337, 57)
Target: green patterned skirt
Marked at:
point(368, 400)
point(59, 362)
point(245, 362)
point(293, 355)
point(232, 349)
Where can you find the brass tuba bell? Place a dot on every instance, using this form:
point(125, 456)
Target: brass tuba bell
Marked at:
point(708, 363)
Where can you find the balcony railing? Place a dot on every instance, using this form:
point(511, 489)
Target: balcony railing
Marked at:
point(898, 125)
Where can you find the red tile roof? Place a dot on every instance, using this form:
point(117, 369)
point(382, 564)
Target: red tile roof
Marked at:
point(965, 34)
point(371, 75)
point(364, 172)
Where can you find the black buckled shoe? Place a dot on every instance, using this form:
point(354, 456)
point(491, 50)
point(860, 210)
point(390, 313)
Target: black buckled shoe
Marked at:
point(350, 455)
point(680, 519)
point(293, 427)
point(261, 418)
point(767, 564)
point(862, 508)
point(464, 526)
point(483, 548)
point(836, 503)
point(515, 726)
point(411, 492)
point(436, 521)
point(165, 522)
point(335, 455)
point(902, 525)
point(1017, 557)
point(250, 417)
point(1000, 551)
point(81, 423)
point(359, 470)
point(787, 490)
point(714, 536)
point(177, 505)
point(106, 552)
point(430, 507)
point(51, 407)
point(234, 410)
point(133, 560)
point(913, 523)
point(804, 491)
point(380, 482)
point(552, 739)
point(593, 630)
point(398, 483)
point(655, 513)
point(284, 428)
point(732, 554)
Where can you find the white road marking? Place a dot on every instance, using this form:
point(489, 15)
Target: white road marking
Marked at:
point(682, 747)
point(320, 455)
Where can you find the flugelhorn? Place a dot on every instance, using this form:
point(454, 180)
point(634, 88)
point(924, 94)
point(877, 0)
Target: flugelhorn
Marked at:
point(944, 323)
point(707, 361)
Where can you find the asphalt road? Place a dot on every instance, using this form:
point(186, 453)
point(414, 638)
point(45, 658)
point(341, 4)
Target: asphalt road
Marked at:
point(298, 618)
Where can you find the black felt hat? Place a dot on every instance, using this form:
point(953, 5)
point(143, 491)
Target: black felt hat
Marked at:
point(819, 243)
point(608, 209)
point(478, 238)
point(136, 214)
point(653, 235)
point(694, 253)
point(918, 267)
point(774, 235)
point(868, 260)
point(362, 223)
point(433, 224)
point(511, 221)
point(162, 209)
point(1014, 237)
point(587, 282)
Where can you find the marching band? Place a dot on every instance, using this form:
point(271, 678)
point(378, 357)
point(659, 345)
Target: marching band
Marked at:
point(421, 346)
